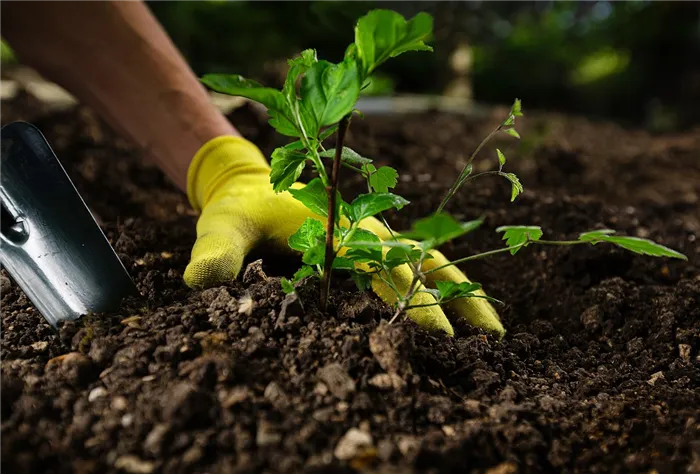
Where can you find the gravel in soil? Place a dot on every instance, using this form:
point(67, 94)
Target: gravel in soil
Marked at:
point(599, 370)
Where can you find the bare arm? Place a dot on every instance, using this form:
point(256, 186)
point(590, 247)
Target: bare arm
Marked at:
point(115, 57)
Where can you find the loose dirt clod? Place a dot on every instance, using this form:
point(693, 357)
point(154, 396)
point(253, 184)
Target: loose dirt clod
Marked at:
point(352, 444)
point(337, 380)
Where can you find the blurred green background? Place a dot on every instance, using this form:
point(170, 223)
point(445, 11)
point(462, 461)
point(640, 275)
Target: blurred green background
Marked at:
point(637, 62)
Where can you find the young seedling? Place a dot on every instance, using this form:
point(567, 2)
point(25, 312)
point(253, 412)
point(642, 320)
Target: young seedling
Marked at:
point(317, 100)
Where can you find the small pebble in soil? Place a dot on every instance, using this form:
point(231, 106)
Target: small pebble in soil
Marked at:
point(592, 318)
point(134, 465)
point(684, 351)
point(75, 368)
point(337, 380)
point(5, 284)
point(352, 444)
point(655, 377)
point(97, 392)
point(276, 396)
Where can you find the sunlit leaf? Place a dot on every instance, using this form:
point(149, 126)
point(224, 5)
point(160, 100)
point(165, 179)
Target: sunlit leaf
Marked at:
point(437, 229)
point(287, 166)
point(633, 244)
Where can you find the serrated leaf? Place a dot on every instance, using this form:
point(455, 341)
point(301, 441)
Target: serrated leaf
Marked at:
point(515, 235)
point(286, 167)
point(633, 244)
point(303, 272)
point(516, 187)
point(501, 159)
point(516, 109)
point(437, 229)
point(348, 155)
point(287, 286)
point(310, 234)
point(509, 121)
point(367, 205)
point(512, 132)
point(383, 179)
point(329, 91)
point(383, 34)
point(282, 123)
point(313, 196)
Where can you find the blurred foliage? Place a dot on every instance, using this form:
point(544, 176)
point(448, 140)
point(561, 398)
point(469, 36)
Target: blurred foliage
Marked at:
point(7, 56)
point(637, 61)
point(625, 60)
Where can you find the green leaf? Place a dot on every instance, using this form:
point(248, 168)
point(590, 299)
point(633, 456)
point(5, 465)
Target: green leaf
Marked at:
point(516, 187)
point(399, 255)
point(310, 234)
point(512, 132)
point(501, 159)
point(277, 107)
point(367, 205)
point(362, 280)
point(303, 119)
point(329, 91)
point(515, 235)
point(450, 290)
point(296, 145)
point(437, 229)
point(236, 85)
point(287, 286)
point(316, 255)
point(328, 132)
point(347, 155)
point(282, 123)
point(633, 244)
point(516, 109)
point(383, 179)
point(343, 263)
point(384, 34)
point(303, 272)
point(313, 196)
point(287, 166)
point(364, 246)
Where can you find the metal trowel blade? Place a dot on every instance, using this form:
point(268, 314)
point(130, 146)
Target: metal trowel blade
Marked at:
point(50, 243)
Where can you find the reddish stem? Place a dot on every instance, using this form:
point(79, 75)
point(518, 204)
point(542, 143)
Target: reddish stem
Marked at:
point(331, 190)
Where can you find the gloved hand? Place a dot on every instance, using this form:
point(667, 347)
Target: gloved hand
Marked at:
point(229, 182)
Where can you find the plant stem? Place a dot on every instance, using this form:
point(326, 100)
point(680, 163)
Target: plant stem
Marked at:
point(332, 191)
point(505, 249)
point(463, 174)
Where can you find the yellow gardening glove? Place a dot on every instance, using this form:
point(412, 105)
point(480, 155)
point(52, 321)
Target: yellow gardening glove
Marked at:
point(229, 182)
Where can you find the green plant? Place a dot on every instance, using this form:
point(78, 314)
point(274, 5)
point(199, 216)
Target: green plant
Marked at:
point(317, 100)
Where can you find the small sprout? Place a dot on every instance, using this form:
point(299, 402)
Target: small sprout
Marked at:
point(318, 100)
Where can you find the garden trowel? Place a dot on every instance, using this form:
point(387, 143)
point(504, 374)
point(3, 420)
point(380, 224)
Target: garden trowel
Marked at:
point(51, 244)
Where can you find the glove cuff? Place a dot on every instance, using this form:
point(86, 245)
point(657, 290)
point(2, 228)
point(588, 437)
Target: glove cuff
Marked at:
point(219, 160)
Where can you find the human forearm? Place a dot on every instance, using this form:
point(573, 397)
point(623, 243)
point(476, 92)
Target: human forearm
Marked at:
point(116, 58)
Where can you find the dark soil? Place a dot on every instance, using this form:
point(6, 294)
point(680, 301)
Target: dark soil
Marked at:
point(599, 371)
